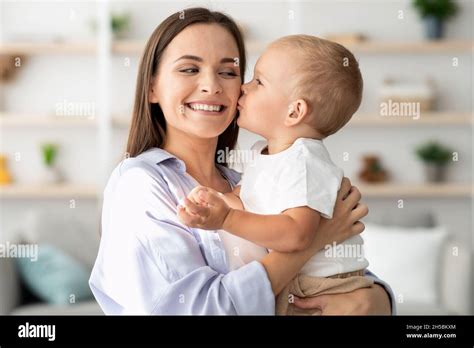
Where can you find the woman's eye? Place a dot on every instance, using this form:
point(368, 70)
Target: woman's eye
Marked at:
point(189, 70)
point(229, 74)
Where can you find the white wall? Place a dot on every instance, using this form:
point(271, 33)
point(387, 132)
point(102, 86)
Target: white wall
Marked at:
point(46, 80)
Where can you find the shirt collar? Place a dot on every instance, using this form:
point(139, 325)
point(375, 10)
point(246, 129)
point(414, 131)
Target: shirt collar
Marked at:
point(156, 156)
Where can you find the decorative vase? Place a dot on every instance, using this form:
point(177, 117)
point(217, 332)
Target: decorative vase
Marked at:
point(434, 28)
point(5, 177)
point(51, 175)
point(372, 170)
point(435, 172)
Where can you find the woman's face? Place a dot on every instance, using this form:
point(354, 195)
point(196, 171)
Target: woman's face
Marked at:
point(198, 81)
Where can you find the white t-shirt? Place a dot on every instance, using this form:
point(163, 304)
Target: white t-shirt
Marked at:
point(301, 175)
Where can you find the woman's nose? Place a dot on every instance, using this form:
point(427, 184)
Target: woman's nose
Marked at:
point(211, 85)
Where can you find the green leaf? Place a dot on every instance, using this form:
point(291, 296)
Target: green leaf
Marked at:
point(49, 153)
point(434, 152)
point(441, 9)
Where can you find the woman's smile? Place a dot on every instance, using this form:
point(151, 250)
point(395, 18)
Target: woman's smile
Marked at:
point(208, 108)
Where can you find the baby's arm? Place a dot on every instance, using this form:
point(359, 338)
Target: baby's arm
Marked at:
point(292, 230)
point(286, 232)
point(233, 199)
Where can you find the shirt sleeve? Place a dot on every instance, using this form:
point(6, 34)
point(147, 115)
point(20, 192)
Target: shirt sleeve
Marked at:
point(387, 288)
point(149, 263)
point(309, 181)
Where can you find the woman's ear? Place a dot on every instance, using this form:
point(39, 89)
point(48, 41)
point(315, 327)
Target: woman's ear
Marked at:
point(297, 111)
point(152, 95)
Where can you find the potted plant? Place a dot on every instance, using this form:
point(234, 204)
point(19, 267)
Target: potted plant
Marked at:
point(119, 24)
point(51, 173)
point(435, 157)
point(434, 13)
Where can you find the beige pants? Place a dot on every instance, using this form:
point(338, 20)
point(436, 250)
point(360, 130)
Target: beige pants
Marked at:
point(305, 286)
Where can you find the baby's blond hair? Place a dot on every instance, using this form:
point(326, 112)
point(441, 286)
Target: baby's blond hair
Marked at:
point(329, 80)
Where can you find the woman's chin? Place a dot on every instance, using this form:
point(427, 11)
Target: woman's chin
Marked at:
point(209, 131)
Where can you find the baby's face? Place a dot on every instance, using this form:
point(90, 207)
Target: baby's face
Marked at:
point(265, 100)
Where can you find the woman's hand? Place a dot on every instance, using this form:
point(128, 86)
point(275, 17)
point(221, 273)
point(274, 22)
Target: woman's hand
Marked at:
point(345, 222)
point(366, 301)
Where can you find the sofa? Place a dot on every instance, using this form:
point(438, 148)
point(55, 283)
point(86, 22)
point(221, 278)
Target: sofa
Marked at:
point(429, 268)
point(66, 231)
point(452, 289)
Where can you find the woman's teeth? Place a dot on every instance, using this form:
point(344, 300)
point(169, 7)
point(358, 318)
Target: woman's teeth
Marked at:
point(206, 107)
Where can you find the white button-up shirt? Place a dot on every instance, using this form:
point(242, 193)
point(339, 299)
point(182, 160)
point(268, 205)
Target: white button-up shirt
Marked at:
point(150, 263)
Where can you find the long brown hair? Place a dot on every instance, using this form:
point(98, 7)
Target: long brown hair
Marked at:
point(148, 127)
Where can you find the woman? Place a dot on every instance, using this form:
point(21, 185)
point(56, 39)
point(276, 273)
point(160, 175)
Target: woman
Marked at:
point(185, 111)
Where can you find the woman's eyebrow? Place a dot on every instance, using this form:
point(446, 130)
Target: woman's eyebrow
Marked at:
point(188, 56)
point(199, 59)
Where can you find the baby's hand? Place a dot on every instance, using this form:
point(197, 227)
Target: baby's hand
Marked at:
point(204, 208)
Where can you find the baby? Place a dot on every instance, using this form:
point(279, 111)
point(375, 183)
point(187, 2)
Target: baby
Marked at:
point(304, 89)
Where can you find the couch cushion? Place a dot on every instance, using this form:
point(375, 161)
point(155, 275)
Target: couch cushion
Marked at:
point(402, 218)
point(65, 231)
point(409, 259)
point(55, 277)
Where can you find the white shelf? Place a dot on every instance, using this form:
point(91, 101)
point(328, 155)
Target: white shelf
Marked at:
point(360, 119)
point(31, 191)
point(75, 191)
point(31, 48)
point(121, 121)
point(391, 47)
point(425, 47)
point(427, 190)
point(366, 119)
point(128, 47)
point(48, 48)
point(16, 120)
point(253, 46)
point(432, 118)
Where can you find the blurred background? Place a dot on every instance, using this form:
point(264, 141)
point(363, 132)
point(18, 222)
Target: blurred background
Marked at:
point(68, 71)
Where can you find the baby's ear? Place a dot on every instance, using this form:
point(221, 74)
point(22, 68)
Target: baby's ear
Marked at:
point(297, 111)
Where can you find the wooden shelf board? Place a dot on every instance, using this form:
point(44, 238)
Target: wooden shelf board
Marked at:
point(30, 48)
point(434, 118)
point(423, 190)
point(30, 191)
point(441, 46)
point(13, 120)
point(253, 46)
point(392, 47)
